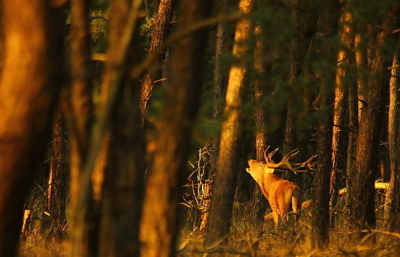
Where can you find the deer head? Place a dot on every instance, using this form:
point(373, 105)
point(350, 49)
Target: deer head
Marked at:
point(282, 194)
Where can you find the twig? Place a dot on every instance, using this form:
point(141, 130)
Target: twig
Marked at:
point(214, 250)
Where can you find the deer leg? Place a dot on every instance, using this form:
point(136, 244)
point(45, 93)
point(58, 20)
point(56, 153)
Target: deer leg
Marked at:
point(275, 216)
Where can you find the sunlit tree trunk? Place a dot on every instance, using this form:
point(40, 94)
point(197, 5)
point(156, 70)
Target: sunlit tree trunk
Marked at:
point(360, 49)
point(224, 184)
point(340, 103)
point(30, 80)
point(159, 33)
point(159, 226)
point(392, 206)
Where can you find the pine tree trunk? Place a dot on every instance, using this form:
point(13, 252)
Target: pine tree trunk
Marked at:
point(219, 84)
point(224, 183)
point(79, 111)
point(343, 61)
point(57, 191)
point(259, 203)
point(159, 33)
point(362, 181)
point(31, 77)
point(320, 218)
point(123, 155)
point(159, 225)
point(392, 205)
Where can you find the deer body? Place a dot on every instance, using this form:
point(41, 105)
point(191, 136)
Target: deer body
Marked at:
point(282, 194)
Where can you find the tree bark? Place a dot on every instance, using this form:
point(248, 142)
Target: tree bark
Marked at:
point(339, 107)
point(259, 203)
point(29, 85)
point(159, 226)
point(123, 153)
point(56, 191)
point(79, 113)
point(362, 191)
point(320, 221)
point(219, 85)
point(224, 184)
point(392, 205)
point(159, 33)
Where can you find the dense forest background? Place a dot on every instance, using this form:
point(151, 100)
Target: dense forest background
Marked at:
point(126, 126)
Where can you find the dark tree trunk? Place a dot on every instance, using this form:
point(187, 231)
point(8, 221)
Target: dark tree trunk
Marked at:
point(57, 184)
point(30, 81)
point(362, 181)
point(123, 155)
point(78, 109)
point(159, 226)
point(320, 220)
point(259, 203)
point(219, 86)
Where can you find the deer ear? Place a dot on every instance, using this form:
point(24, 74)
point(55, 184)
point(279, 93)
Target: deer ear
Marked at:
point(269, 170)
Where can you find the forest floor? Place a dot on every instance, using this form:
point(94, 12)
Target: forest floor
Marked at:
point(253, 241)
point(287, 243)
point(263, 240)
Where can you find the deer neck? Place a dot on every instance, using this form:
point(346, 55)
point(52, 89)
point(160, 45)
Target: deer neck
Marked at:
point(267, 181)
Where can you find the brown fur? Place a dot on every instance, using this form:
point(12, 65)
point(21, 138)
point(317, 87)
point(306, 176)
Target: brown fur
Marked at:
point(282, 194)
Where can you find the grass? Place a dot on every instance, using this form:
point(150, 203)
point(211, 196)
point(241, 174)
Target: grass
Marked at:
point(247, 240)
point(259, 240)
point(38, 246)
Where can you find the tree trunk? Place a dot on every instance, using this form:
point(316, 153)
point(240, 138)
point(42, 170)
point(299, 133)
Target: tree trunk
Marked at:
point(219, 84)
point(123, 154)
point(159, 226)
point(224, 184)
point(79, 111)
point(259, 203)
point(159, 33)
point(29, 84)
point(343, 61)
point(362, 190)
point(392, 206)
point(320, 220)
point(56, 191)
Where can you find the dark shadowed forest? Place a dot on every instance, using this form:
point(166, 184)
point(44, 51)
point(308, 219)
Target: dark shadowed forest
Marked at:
point(161, 128)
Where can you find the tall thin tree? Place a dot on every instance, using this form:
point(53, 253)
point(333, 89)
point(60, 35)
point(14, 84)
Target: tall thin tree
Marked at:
point(224, 184)
point(338, 137)
point(361, 189)
point(392, 209)
point(159, 226)
point(79, 112)
point(160, 31)
point(320, 223)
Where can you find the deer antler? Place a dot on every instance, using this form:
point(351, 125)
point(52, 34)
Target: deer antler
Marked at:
point(309, 164)
point(285, 162)
point(268, 158)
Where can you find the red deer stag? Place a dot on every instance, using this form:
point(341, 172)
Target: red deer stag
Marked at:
point(281, 194)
